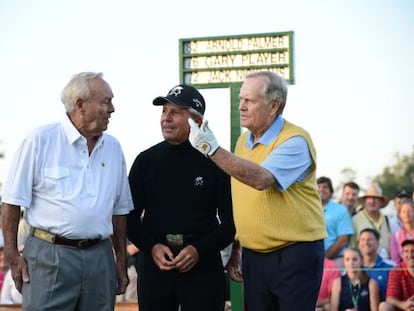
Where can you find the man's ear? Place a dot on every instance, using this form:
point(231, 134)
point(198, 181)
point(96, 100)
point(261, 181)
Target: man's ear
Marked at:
point(275, 106)
point(197, 119)
point(79, 104)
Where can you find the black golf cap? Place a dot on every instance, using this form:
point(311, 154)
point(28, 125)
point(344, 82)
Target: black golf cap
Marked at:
point(185, 96)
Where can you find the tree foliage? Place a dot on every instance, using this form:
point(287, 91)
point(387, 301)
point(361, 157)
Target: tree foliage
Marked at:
point(398, 176)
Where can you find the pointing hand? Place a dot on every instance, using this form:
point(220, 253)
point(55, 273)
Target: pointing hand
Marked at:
point(202, 138)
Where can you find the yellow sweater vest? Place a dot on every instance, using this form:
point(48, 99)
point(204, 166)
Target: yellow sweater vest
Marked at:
point(270, 219)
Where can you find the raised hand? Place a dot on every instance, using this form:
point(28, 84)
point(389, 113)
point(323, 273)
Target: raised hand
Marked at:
point(202, 138)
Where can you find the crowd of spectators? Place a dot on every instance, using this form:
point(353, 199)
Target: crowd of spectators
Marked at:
point(372, 265)
point(369, 252)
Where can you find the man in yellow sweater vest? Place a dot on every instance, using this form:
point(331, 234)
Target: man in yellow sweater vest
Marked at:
point(277, 210)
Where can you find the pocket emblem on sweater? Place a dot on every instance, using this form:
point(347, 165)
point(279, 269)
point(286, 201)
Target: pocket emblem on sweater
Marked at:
point(198, 181)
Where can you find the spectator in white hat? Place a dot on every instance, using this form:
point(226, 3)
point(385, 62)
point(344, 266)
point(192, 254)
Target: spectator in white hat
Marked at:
point(371, 217)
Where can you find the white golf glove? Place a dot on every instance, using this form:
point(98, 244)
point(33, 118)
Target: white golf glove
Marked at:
point(202, 138)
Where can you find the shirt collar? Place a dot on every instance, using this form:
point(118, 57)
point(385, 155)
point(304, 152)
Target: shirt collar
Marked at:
point(72, 132)
point(373, 221)
point(269, 135)
point(404, 269)
point(377, 263)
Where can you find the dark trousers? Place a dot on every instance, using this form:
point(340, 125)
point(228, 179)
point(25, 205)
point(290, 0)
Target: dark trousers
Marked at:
point(201, 289)
point(284, 280)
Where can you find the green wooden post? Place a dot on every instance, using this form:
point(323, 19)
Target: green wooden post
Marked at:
point(236, 296)
point(235, 129)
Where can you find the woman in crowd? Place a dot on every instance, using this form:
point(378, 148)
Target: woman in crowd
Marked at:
point(406, 232)
point(354, 290)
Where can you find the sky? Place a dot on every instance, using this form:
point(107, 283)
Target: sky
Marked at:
point(353, 69)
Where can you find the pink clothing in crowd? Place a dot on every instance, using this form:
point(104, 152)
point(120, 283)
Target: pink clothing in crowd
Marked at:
point(396, 239)
point(331, 271)
point(2, 274)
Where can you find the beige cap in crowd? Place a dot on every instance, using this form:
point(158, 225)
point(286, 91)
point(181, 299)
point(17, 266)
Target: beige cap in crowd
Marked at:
point(374, 191)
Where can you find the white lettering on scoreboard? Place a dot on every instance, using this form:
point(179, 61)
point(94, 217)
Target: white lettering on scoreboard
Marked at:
point(227, 76)
point(237, 60)
point(237, 44)
point(228, 60)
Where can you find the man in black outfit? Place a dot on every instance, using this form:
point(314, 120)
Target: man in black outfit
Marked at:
point(183, 214)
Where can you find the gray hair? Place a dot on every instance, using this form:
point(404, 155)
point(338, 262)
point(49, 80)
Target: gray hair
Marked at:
point(276, 87)
point(195, 113)
point(78, 87)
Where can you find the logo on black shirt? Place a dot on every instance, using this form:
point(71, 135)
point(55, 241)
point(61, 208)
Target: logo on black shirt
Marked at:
point(198, 181)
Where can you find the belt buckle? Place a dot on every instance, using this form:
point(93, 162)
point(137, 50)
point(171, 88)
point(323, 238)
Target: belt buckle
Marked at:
point(44, 235)
point(175, 239)
point(82, 243)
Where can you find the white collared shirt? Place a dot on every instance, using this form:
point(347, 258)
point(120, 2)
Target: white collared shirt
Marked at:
point(66, 191)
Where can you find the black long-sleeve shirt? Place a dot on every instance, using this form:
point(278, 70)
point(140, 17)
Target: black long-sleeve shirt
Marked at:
point(180, 191)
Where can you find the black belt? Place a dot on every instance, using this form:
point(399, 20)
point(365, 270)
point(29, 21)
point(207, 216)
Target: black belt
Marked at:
point(56, 239)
